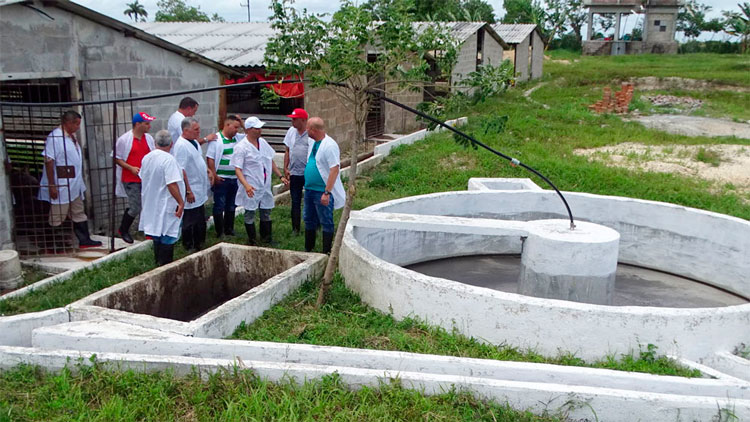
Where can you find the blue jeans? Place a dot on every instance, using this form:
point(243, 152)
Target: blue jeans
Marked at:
point(224, 194)
point(316, 214)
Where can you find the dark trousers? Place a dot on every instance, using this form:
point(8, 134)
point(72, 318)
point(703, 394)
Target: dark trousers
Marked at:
point(194, 228)
point(296, 183)
point(224, 194)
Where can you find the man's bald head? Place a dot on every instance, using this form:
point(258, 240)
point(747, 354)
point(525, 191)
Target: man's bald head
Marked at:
point(316, 128)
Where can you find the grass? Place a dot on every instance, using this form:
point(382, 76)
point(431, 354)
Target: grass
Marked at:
point(346, 321)
point(708, 156)
point(95, 394)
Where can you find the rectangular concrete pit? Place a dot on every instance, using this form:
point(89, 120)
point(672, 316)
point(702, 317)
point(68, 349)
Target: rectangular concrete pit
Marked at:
point(204, 294)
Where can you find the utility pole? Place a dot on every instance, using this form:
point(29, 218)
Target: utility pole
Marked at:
point(248, 9)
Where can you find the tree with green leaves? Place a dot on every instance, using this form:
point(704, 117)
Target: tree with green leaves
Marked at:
point(691, 20)
point(337, 51)
point(437, 10)
point(179, 11)
point(135, 11)
point(738, 24)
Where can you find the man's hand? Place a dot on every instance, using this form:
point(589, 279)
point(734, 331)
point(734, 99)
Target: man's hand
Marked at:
point(180, 209)
point(285, 181)
point(135, 170)
point(53, 192)
point(210, 138)
point(211, 178)
point(325, 199)
point(190, 197)
point(287, 173)
point(249, 190)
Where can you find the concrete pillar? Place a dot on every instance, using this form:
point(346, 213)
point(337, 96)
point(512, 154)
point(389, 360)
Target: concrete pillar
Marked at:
point(577, 265)
point(10, 270)
point(590, 29)
point(618, 17)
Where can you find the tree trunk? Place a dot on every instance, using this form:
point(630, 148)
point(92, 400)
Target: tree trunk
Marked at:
point(333, 258)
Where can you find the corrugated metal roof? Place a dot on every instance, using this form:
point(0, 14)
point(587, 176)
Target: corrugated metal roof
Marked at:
point(239, 44)
point(514, 33)
point(460, 30)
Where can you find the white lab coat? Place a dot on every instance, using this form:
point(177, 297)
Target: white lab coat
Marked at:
point(123, 145)
point(191, 160)
point(158, 169)
point(65, 152)
point(215, 151)
point(174, 125)
point(253, 162)
point(327, 157)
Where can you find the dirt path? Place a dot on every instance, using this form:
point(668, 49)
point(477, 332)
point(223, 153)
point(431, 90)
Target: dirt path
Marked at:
point(528, 92)
point(651, 83)
point(694, 126)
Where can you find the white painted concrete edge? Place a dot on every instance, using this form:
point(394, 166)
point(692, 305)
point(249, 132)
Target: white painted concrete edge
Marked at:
point(17, 330)
point(116, 256)
point(572, 401)
point(730, 363)
point(487, 183)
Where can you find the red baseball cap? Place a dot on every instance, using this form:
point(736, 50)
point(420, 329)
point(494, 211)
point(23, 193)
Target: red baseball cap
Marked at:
point(142, 117)
point(298, 113)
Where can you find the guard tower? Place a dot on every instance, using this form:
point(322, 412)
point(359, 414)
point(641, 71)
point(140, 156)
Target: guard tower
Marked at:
point(659, 24)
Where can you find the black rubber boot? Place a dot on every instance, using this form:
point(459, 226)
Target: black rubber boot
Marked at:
point(266, 230)
point(229, 223)
point(296, 217)
point(250, 228)
point(187, 238)
point(84, 239)
point(166, 254)
point(327, 242)
point(219, 224)
point(310, 240)
point(124, 229)
point(156, 251)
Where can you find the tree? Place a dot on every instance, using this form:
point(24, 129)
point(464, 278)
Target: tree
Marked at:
point(179, 11)
point(337, 51)
point(136, 10)
point(738, 24)
point(437, 10)
point(576, 18)
point(691, 19)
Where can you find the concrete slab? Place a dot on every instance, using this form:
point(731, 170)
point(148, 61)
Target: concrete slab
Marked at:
point(56, 264)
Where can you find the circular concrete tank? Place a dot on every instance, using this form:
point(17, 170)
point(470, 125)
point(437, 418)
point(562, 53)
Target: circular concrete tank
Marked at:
point(691, 245)
point(10, 270)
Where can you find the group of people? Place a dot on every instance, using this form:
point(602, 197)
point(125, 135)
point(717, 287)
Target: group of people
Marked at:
point(166, 179)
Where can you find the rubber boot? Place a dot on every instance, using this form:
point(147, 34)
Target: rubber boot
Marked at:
point(327, 242)
point(219, 224)
point(229, 223)
point(124, 229)
point(166, 254)
point(310, 240)
point(266, 230)
point(156, 251)
point(84, 238)
point(296, 217)
point(250, 228)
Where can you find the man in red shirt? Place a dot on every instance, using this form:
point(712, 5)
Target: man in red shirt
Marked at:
point(130, 149)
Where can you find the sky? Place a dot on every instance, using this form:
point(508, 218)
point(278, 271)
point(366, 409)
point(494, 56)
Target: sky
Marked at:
point(231, 10)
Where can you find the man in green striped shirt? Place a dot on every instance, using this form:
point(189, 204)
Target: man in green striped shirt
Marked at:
point(224, 179)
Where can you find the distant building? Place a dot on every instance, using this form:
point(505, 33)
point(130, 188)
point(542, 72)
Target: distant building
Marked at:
point(658, 29)
point(526, 49)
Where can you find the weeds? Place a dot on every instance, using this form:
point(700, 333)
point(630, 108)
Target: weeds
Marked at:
point(708, 156)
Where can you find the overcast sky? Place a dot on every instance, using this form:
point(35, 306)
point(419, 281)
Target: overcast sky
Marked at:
point(259, 11)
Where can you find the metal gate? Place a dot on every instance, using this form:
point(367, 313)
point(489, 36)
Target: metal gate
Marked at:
point(103, 124)
point(375, 123)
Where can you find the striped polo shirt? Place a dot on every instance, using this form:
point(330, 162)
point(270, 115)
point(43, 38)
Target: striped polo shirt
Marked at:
point(221, 151)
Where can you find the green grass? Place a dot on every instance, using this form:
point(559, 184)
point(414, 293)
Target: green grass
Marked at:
point(708, 156)
point(346, 321)
point(94, 394)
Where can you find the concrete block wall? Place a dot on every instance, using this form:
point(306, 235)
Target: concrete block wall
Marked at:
point(492, 51)
point(338, 117)
point(398, 120)
point(522, 59)
point(666, 19)
point(466, 61)
point(537, 55)
point(6, 203)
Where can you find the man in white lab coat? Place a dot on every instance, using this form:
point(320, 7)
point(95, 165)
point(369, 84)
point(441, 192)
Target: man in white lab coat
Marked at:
point(323, 189)
point(187, 108)
point(162, 196)
point(130, 149)
point(62, 181)
point(253, 163)
point(189, 156)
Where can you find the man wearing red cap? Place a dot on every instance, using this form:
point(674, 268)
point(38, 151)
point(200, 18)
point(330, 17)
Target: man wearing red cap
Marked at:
point(130, 149)
point(295, 159)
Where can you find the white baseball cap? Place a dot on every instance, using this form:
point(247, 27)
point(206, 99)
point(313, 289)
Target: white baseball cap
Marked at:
point(253, 123)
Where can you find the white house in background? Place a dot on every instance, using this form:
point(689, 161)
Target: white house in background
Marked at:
point(527, 48)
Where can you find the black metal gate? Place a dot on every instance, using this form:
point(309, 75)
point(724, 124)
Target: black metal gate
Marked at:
point(103, 124)
point(375, 123)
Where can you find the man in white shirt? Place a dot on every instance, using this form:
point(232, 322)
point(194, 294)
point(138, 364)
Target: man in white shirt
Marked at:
point(295, 159)
point(323, 189)
point(189, 156)
point(187, 108)
point(131, 147)
point(162, 193)
point(62, 181)
point(218, 157)
point(253, 163)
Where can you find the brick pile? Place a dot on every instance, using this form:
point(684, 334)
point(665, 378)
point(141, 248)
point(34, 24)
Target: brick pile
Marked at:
point(617, 103)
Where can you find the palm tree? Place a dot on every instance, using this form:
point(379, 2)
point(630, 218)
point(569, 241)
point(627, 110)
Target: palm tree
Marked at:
point(135, 10)
point(738, 24)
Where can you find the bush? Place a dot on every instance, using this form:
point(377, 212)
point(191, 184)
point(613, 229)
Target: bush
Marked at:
point(718, 47)
point(568, 41)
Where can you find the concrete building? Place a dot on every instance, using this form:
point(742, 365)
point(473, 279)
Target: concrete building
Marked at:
point(60, 51)
point(659, 27)
point(527, 49)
